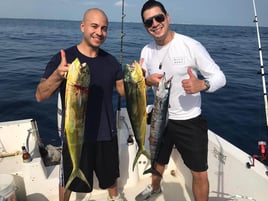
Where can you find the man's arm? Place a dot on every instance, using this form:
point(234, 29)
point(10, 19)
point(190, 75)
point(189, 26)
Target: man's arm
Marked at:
point(47, 87)
point(120, 87)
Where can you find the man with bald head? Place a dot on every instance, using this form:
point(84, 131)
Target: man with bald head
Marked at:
point(100, 148)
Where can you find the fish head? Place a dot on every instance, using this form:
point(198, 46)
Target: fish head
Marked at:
point(133, 73)
point(163, 86)
point(78, 74)
point(168, 83)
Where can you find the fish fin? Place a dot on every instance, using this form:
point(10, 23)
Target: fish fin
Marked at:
point(70, 180)
point(81, 175)
point(136, 159)
point(152, 171)
point(144, 152)
point(75, 174)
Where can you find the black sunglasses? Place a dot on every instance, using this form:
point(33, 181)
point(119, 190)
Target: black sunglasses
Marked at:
point(149, 22)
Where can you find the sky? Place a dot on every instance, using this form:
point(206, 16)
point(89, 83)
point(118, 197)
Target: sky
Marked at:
point(204, 12)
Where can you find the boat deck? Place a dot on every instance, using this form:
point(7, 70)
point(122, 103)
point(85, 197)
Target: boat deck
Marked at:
point(35, 181)
point(230, 178)
point(173, 184)
point(131, 183)
point(171, 190)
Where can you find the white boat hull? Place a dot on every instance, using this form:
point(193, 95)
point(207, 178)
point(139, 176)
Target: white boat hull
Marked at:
point(229, 177)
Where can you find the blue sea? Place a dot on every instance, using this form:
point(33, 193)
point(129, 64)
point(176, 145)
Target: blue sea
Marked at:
point(236, 112)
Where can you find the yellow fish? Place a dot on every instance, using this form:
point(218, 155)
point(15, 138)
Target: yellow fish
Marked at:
point(76, 96)
point(135, 92)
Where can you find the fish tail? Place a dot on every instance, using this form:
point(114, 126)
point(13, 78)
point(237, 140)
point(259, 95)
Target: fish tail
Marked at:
point(75, 174)
point(83, 177)
point(144, 152)
point(152, 171)
point(70, 180)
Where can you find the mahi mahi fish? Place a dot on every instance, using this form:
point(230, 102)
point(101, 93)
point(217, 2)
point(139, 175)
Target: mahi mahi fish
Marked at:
point(76, 96)
point(159, 120)
point(135, 92)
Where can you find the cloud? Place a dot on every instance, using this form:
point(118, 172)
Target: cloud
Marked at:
point(119, 3)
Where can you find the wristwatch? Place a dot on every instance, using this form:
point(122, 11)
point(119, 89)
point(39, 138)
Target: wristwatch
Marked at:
point(207, 84)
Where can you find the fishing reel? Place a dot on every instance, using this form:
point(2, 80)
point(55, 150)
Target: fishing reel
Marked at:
point(262, 156)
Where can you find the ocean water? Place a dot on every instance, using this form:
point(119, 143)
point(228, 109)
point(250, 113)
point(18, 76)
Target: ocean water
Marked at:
point(235, 112)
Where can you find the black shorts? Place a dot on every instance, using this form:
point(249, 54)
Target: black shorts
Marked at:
point(191, 140)
point(100, 157)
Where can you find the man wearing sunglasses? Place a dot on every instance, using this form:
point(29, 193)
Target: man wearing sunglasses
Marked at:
point(179, 57)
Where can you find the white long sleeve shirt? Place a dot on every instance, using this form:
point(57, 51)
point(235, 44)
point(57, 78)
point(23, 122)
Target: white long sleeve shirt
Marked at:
point(174, 59)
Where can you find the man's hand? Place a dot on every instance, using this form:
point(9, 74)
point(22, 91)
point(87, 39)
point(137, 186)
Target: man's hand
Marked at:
point(62, 69)
point(193, 84)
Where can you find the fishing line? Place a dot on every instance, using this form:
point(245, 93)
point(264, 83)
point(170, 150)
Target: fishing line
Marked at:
point(123, 15)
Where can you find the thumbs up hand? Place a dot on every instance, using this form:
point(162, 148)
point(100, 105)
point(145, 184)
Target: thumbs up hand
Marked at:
point(192, 84)
point(63, 66)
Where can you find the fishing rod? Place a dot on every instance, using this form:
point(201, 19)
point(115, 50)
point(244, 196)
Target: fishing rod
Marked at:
point(261, 63)
point(123, 15)
point(261, 144)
